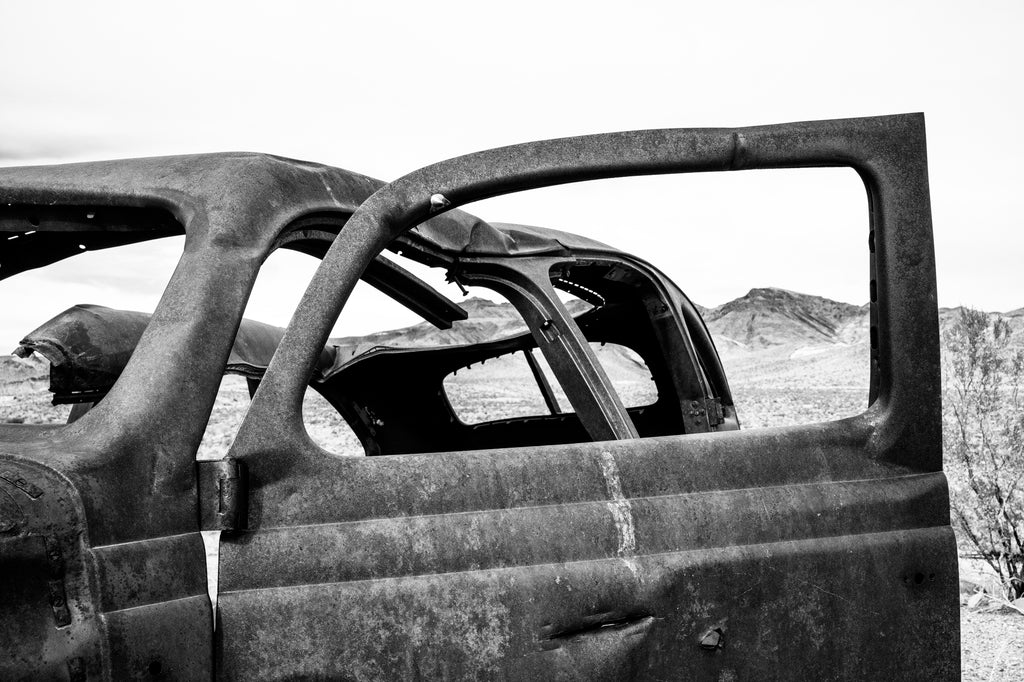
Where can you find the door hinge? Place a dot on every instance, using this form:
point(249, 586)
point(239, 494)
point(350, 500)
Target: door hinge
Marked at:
point(223, 494)
point(714, 409)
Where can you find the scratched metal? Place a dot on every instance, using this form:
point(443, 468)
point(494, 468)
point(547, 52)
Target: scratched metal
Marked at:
point(821, 551)
point(614, 560)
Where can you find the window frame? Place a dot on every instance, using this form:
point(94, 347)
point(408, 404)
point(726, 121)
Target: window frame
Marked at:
point(882, 150)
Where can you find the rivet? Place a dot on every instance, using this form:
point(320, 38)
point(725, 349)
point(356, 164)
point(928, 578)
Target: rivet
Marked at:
point(712, 639)
point(438, 202)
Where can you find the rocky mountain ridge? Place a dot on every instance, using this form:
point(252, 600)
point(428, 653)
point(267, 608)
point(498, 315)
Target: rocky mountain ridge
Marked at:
point(769, 316)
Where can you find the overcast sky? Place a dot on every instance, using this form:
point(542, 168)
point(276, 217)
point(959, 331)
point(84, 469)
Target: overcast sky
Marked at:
point(385, 88)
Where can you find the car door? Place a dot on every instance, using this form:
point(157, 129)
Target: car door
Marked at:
point(821, 551)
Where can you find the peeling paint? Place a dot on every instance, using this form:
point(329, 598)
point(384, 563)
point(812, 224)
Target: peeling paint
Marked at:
point(330, 191)
point(622, 512)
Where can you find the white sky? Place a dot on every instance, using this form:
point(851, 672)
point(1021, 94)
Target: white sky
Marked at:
point(387, 88)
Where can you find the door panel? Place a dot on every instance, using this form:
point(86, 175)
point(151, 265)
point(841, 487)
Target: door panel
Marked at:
point(156, 609)
point(71, 610)
point(612, 619)
point(615, 583)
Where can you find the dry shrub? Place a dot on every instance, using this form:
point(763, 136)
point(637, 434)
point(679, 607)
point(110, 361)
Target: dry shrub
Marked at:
point(983, 420)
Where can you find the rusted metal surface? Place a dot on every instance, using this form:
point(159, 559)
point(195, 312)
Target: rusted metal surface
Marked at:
point(820, 551)
point(123, 475)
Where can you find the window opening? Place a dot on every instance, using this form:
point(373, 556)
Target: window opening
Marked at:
point(228, 410)
point(678, 367)
point(503, 387)
point(628, 372)
point(109, 289)
point(774, 258)
point(327, 427)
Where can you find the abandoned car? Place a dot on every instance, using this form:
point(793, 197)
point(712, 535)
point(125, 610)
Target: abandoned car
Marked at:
point(597, 538)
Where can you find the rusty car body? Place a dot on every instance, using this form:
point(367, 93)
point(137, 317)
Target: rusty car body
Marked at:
point(597, 542)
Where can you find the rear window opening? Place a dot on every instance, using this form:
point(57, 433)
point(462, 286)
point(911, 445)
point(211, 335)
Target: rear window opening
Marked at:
point(506, 387)
point(628, 373)
point(122, 260)
point(387, 385)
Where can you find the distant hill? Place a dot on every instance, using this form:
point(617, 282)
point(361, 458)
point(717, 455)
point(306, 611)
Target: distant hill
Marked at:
point(776, 317)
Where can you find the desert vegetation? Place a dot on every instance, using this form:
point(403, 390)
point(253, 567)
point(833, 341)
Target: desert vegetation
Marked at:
point(983, 420)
